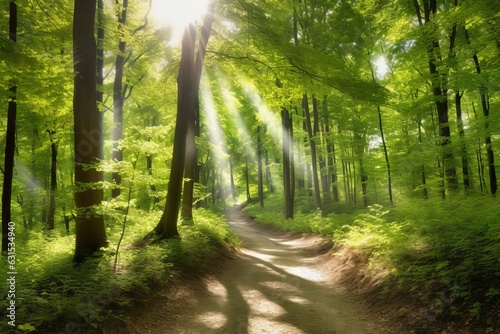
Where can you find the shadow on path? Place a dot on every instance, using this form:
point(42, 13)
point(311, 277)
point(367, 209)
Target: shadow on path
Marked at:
point(271, 287)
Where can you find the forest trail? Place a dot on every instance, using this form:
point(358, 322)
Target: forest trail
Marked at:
point(275, 285)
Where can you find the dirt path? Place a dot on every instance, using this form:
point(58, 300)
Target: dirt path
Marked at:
point(274, 286)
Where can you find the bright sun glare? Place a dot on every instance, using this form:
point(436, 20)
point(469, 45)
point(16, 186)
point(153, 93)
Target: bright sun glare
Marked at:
point(177, 14)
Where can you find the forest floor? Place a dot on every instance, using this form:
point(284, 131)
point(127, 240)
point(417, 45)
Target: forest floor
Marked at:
point(276, 282)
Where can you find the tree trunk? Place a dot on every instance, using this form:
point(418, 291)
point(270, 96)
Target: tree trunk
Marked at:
point(285, 121)
point(191, 175)
point(10, 140)
point(90, 230)
point(53, 181)
point(119, 99)
point(100, 59)
point(463, 147)
point(260, 185)
point(439, 88)
point(292, 161)
point(231, 176)
point(167, 226)
point(422, 171)
point(485, 104)
point(312, 143)
point(247, 182)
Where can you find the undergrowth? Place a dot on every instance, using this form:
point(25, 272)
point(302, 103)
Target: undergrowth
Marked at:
point(445, 253)
point(55, 296)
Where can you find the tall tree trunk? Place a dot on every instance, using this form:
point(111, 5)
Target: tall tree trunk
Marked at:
point(422, 169)
point(463, 147)
point(167, 226)
point(191, 175)
point(260, 180)
point(100, 57)
point(384, 145)
point(292, 160)
point(90, 230)
point(247, 181)
point(485, 104)
point(330, 152)
point(364, 182)
point(439, 88)
point(119, 98)
point(10, 140)
point(53, 181)
point(287, 186)
point(312, 143)
point(231, 177)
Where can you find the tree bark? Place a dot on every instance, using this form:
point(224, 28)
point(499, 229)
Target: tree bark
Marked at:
point(167, 226)
point(53, 181)
point(439, 88)
point(312, 143)
point(90, 230)
point(10, 140)
point(119, 99)
point(191, 175)
point(463, 147)
point(260, 180)
point(485, 105)
point(285, 121)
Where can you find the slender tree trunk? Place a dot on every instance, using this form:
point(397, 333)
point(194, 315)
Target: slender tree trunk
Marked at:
point(386, 155)
point(292, 161)
point(119, 98)
point(330, 151)
point(90, 230)
point(247, 182)
point(100, 58)
point(53, 181)
point(422, 172)
point(384, 145)
point(364, 182)
point(312, 143)
point(260, 185)
point(485, 104)
point(285, 121)
point(463, 147)
point(231, 176)
point(439, 87)
point(10, 140)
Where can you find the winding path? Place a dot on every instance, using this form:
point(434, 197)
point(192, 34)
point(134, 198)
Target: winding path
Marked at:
point(274, 286)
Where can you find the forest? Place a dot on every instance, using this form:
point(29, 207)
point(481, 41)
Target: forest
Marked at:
point(130, 127)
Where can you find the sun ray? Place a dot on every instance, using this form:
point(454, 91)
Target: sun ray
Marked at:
point(215, 132)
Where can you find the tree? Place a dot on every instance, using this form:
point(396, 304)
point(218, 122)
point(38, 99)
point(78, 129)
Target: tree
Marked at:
point(439, 80)
point(167, 226)
point(90, 230)
point(10, 140)
point(190, 173)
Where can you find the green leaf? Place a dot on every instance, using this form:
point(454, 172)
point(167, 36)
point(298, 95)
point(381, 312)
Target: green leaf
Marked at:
point(27, 328)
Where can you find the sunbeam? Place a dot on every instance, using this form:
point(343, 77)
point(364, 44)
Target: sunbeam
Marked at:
point(230, 103)
point(215, 133)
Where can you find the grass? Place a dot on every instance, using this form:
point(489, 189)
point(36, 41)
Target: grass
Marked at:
point(443, 252)
point(52, 295)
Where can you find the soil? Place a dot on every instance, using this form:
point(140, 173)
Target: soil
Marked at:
point(276, 282)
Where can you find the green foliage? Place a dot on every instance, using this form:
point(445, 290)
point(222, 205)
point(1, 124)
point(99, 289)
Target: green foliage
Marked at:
point(51, 293)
